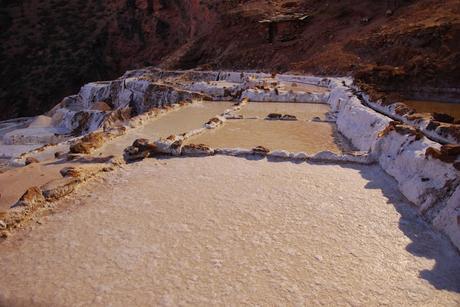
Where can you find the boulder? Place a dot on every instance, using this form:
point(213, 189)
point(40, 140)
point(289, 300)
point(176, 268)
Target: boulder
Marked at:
point(451, 149)
point(197, 150)
point(96, 139)
point(317, 119)
point(260, 150)
point(403, 110)
point(236, 152)
point(233, 116)
point(59, 188)
point(214, 122)
point(132, 154)
point(284, 154)
point(171, 145)
point(141, 149)
point(81, 148)
point(299, 156)
point(30, 160)
point(289, 117)
point(31, 197)
point(274, 116)
point(88, 143)
point(439, 155)
point(71, 171)
point(144, 145)
point(278, 116)
point(112, 132)
point(402, 129)
point(84, 172)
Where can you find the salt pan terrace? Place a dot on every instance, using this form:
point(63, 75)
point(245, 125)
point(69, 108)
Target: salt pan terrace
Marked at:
point(214, 188)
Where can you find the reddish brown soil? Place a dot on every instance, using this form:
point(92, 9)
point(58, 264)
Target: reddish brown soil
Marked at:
point(50, 48)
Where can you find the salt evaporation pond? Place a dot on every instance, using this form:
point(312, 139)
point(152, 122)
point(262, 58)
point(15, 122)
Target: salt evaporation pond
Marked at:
point(427, 106)
point(176, 122)
point(303, 87)
point(293, 136)
point(303, 111)
point(301, 135)
point(12, 182)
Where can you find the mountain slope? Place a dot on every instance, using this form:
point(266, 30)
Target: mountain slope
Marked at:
point(50, 48)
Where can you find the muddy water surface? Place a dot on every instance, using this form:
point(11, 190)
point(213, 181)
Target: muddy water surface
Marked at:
point(14, 182)
point(182, 120)
point(425, 106)
point(303, 111)
point(292, 136)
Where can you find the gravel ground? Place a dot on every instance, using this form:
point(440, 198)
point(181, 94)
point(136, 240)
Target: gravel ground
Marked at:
point(231, 231)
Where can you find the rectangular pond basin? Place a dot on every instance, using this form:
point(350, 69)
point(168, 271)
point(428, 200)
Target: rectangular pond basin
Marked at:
point(426, 106)
point(302, 87)
point(303, 111)
point(293, 136)
point(14, 182)
point(185, 119)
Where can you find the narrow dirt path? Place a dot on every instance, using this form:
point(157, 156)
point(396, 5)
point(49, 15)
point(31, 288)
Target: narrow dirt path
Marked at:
point(222, 230)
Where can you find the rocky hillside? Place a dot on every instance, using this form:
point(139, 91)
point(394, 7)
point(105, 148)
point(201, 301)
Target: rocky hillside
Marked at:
point(50, 48)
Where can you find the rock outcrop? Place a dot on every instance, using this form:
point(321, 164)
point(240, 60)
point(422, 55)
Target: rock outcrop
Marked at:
point(33, 196)
point(88, 143)
point(197, 150)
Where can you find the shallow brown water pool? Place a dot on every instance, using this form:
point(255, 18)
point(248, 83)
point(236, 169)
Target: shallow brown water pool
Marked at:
point(303, 111)
point(292, 136)
point(425, 106)
point(176, 122)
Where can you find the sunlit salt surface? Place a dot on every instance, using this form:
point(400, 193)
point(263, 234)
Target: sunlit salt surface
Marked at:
point(425, 106)
point(182, 120)
point(220, 231)
point(303, 111)
point(292, 136)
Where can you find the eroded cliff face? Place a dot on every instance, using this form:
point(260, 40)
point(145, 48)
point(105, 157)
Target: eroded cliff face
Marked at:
point(51, 48)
